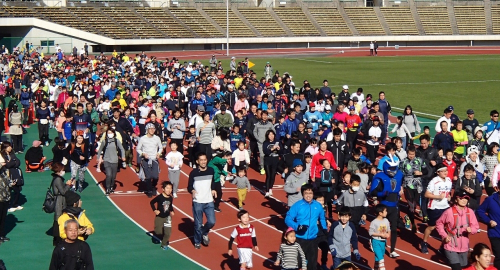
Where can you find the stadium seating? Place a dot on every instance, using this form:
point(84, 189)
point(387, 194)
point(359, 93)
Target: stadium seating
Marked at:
point(96, 19)
point(296, 21)
point(330, 21)
point(13, 11)
point(400, 21)
point(237, 28)
point(62, 16)
point(435, 20)
point(495, 19)
point(194, 20)
point(164, 22)
point(132, 22)
point(263, 21)
point(470, 20)
point(365, 20)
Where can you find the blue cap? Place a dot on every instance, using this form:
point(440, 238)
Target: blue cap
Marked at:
point(450, 108)
point(352, 108)
point(297, 162)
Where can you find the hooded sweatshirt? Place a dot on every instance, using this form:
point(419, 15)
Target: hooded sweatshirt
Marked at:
point(294, 181)
point(446, 224)
point(260, 130)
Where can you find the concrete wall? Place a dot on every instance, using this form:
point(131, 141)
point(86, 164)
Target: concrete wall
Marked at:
point(36, 36)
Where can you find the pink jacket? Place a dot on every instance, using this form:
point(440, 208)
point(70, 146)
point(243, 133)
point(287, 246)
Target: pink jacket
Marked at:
point(447, 220)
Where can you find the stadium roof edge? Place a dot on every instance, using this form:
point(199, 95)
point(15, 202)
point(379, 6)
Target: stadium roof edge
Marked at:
point(98, 39)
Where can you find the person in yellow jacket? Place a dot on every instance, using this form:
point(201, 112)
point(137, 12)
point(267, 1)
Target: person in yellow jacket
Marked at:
point(461, 140)
point(74, 210)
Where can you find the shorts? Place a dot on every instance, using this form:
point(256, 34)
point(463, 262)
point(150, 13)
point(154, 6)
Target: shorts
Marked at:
point(456, 257)
point(379, 249)
point(245, 255)
point(17, 91)
point(434, 215)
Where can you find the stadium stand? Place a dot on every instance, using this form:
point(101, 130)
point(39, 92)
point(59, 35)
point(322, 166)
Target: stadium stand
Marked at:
point(237, 28)
point(365, 20)
point(297, 21)
point(164, 22)
point(470, 20)
point(400, 21)
point(495, 19)
point(194, 20)
point(15, 11)
point(96, 19)
point(62, 16)
point(263, 21)
point(331, 21)
point(132, 22)
point(435, 20)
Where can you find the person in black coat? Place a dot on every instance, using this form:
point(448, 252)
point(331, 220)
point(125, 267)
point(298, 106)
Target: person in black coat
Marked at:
point(61, 154)
point(72, 253)
point(339, 149)
point(34, 157)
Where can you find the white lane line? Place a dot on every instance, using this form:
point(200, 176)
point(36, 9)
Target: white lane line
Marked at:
point(139, 225)
point(224, 237)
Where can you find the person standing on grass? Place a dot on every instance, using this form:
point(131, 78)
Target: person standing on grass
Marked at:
point(489, 213)
point(303, 217)
point(162, 206)
point(439, 194)
point(174, 160)
point(201, 186)
point(149, 148)
point(385, 109)
point(455, 226)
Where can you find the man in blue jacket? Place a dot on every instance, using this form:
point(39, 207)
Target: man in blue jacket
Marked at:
point(489, 213)
point(303, 217)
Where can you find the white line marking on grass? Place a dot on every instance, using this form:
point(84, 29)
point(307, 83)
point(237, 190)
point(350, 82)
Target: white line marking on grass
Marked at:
point(139, 225)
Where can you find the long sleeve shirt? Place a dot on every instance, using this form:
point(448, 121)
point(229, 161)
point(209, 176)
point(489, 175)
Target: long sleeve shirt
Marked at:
point(162, 204)
point(446, 226)
point(203, 183)
point(206, 132)
point(150, 146)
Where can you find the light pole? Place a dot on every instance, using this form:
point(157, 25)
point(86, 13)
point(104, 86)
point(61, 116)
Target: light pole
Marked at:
point(227, 27)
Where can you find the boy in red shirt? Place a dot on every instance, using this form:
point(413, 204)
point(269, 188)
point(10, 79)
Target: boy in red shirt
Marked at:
point(451, 165)
point(245, 236)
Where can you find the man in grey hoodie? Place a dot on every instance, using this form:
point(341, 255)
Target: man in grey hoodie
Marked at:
point(149, 149)
point(294, 182)
point(259, 133)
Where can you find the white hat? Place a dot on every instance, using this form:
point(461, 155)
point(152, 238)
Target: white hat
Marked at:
point(472, 149)
point(232, 57)
point(328, 108)
point(477, 129)
point(345, 86)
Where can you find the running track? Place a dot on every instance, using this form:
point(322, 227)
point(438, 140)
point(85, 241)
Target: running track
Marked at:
point(266, 213)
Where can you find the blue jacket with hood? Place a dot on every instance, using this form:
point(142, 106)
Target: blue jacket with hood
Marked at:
point(308, 214)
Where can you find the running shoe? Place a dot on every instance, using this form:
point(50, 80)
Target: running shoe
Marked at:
point(370, 243)
point(175, 195)
point(164, 247)
point(423, 248)
point(217, 210)
point(394, 254)
point(197, 246)
point(426, 219)
point(407, 222)
point(206, 240)
point(267, 195)
point(270, 192)
point(19, 208)
point(12, 209)
point(262, 171)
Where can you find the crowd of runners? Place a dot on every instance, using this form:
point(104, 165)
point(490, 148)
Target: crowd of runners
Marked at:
point(342, 160)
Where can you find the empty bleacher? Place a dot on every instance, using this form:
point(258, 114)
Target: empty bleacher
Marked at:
point(495, 20)
point(365, 20)
point(132, 22)
point(12, 11)
point(263, 21)
point(237, 28)
point(96, 19)
point(331, 21)
point(164, 22)
point(470, 20)
point(194, 20)
point(63, 17)
point(400, 21)
point(297, 21)
point(435, 20)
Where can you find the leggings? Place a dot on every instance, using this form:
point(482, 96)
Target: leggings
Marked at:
point(218, 189)
point(413, 199)
point(270, 165)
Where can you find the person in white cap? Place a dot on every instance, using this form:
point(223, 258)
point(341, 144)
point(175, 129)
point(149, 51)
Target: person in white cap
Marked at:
point(232, 65)
point(344, 96)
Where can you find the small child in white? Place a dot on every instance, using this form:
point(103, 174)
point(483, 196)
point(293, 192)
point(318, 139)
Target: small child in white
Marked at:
point(245, 236)
point(174, 160)
point(243, 185)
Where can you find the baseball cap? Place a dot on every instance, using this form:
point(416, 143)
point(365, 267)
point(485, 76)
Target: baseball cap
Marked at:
point(470, 111)
point(328, 108)
point(372, 111)
point(462, 194)
point(311, 104)
point(309, 125)
point(355, 99)
point(345, 87)
point(450, 107)
point(201, 108)
point(375, 118)
point(352, 108)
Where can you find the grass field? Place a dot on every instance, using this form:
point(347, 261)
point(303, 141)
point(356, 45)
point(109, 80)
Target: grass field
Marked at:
point(428, 83)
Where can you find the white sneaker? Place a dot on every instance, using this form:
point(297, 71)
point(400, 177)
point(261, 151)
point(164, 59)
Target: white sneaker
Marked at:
point(98, 169)
point(19, 208)
point(46, 143)
point(371, 246)
point(270, 192)
point(12, 209)
point(191, 164)
point(175, 195)
point(267, 194)
point(394, 254)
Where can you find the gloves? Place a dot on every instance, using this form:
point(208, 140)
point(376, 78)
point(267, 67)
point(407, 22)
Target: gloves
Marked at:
point(357, 255)
point(333, 251)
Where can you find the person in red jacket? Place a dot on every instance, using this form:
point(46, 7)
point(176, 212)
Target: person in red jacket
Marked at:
point(316, 163)
point(451, 165)
point(481, 258)
point(352, 124)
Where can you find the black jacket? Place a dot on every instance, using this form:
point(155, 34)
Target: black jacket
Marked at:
point(340, 152)
point(66, 255)
point(427, 155)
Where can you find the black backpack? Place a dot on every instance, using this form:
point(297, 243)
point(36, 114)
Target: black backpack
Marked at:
point(49, 204)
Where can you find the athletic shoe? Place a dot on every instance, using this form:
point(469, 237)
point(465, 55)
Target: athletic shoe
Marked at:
point(262, 171)
point(107, 192)
point(175, 195)
point(423, 248)
point(394, 254)
point(164, 247)
point(4, 239)
point(267, 195)
point(191, 164)
point(12, 209)
point(206, 240)
point(370, 243)
point(426, 219)
point(197, 246)
point(19, 208)
point(270, 192)
point(130, 165)
point(217, 210)
point(46, 143)
point(407, 222)
point(80, 188)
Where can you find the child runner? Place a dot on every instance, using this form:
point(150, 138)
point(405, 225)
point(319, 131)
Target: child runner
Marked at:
point(342, 237)
point(380, 231)
point(355, 199)
point(163, 208)
point(327, 185)
point(192, 145)
point(469, 184)
point(245, 236)
point(243, 185)
point(401, 131)
point(290, 252)
point(439, 194)
point(241, 157)
point(454, 226)
point(174, 160)
point(450, 165)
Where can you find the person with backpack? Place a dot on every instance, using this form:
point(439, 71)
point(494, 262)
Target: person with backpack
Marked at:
point(455, 226)
point(108, 154)
point(5, 186)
